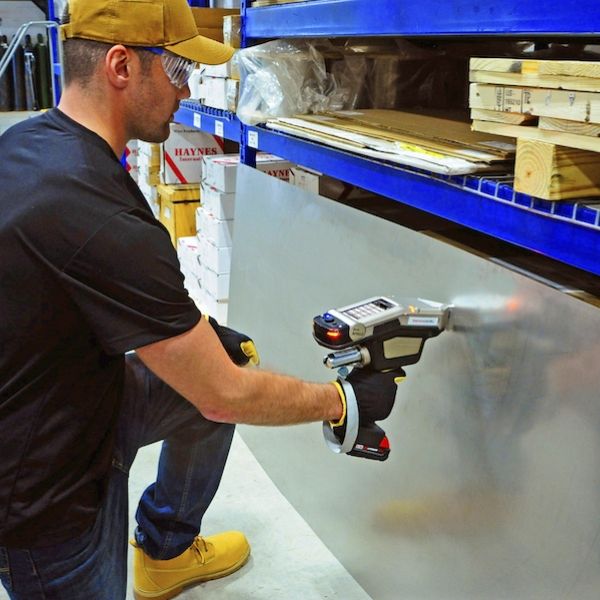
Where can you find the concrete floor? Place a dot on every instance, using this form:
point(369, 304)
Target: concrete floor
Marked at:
point(288, 561)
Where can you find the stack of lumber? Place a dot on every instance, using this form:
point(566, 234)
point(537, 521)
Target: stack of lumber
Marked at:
point(552, 107)
point(436, 144)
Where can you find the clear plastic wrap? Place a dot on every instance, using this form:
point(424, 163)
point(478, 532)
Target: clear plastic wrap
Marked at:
point(284, 78)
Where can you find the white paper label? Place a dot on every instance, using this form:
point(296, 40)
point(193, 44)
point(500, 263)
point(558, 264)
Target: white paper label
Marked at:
point(219, 128)
point(198, 120)
point(422, 321)
point(167, 212)
point(253, 139)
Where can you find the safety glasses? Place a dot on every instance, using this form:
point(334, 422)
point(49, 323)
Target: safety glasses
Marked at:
point(178, 69)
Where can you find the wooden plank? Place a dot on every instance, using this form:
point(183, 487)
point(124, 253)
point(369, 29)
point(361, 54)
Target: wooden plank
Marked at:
point(569, 68)
point(556, 173)
point(503, 117)
point(569, 126)
point(499, 65)
point(571, 140)
point(581, 84)
point(560, 104)
point(497, 116)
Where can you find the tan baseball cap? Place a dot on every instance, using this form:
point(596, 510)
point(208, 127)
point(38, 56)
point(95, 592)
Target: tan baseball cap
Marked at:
point(153, 23)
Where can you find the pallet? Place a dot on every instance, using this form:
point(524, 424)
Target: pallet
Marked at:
point(540, 102)
point(569, 68)
point(556, 173)
point(558, 136)
point(513, 118)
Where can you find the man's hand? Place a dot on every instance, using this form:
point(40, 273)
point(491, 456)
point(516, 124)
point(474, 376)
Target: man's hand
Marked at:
point(375, 396)
point(240, 347)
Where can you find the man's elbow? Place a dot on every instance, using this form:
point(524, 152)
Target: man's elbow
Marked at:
point(222, 406)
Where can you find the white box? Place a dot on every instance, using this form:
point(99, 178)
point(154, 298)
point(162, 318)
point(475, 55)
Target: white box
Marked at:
point(323, 185)
point(224, 70)
point(220, 171)
point(182, 153)
point(214, 308)
point(193, 287)
point(219, 93)
point(151, 196)
point(218, 231)
point(188, 253)
point(305, 179)
point(215, 284)
point(194, 84)
point(132, 152)
point(220, 205)
point(134, 172)
point(214, 258)
point(149, 150)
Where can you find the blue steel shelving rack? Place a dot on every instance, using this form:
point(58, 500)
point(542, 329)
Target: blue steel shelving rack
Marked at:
point(328, 18)
point(211, 120)
point(565, 231)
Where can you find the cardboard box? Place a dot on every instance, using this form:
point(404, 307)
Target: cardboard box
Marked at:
point(178, 206)
point(188, 253)
point(131, 159)
point(179, 193)
point(220, 205)
point(214, 33)
point(323, 185)
point(216, 259)
point(224, 70)
point(213, 307)
point(212, 17)
point(194, 84)
point(179, 218)
point(182, 153)
point(220, 171)
point(151, 195)
point(219, 93)
point(232, 31)
point(215, 285)
point(149, 153)
point(148, 175)
point(218, 231)
point(148, 163)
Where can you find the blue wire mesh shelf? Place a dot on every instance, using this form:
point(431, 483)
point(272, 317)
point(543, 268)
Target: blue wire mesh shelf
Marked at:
point(212, 120)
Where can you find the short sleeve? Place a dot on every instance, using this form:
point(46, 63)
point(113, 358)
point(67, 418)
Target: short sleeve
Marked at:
point(127, 283)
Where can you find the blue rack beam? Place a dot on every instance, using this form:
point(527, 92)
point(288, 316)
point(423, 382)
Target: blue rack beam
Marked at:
point(563, 231)
point(211, 120)
point(329, 18)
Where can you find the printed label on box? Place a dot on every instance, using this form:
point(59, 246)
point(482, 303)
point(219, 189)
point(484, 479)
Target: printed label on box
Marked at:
point(182, 154)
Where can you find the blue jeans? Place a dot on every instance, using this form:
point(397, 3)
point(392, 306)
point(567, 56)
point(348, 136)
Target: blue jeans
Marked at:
point(192, 459)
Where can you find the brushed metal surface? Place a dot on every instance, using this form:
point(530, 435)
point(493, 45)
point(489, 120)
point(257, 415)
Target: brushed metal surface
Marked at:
point(492, 489)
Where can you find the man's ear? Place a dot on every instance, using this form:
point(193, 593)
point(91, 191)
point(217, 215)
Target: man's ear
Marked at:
point(117, 64)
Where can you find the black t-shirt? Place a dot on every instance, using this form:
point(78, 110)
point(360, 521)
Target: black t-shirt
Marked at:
point(86, 273)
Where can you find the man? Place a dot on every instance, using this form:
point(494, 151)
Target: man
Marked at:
point(87, 275)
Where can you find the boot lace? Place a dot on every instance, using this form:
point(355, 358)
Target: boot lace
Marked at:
point(200, 547)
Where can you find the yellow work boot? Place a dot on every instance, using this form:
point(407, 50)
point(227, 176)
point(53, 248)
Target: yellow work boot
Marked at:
point(207, 558)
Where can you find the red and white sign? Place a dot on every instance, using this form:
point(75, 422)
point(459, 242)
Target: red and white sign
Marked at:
point(182, 154)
